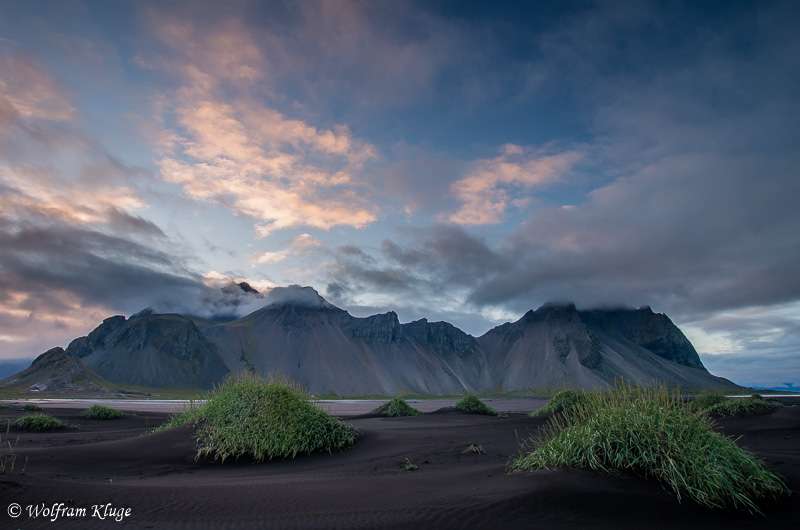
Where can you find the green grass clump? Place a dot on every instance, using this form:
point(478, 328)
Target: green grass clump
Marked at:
point(741, 406)
point(38, 422)
point(396, 407)
point(471, 403)
point(99, 412)
point(30, 407)
point(657, 436)
point(562, 401)
point(718, 404)
point(707, 399)
point(264, 419)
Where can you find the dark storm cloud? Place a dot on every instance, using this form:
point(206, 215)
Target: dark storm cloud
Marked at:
point(429, 260)
point(422, 273)
point(717, 234)
point(354, 270)
point(128, 223)
point(448, 253)
point(98, 268)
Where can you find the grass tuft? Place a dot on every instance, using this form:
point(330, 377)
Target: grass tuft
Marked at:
point(408, 465)
point(30, 407)
point(473, 450)
point(657, 436)
point(8, 457)
point(263, 418)
point(38, 422)
point(741, 406)
point(396, 407)
point(563, 401)
point(718, 404)
point(471, 403)
point(706, 400)
point(99, 412)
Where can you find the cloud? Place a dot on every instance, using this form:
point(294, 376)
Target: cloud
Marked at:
point(28, 92)
point(301, 245)
point(35, 110)
point(689, 203)
point(238, 152)
point(74, 245)
point(30, 325)
point(365, 48)
point(419, 179)
point(759, 345)
point(496, 184)
point(422, 273)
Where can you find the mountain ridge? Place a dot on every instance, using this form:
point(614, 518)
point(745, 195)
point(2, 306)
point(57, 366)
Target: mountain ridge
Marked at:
point(331, 352)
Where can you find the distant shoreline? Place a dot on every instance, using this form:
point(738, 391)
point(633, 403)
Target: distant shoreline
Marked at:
point(339, 407)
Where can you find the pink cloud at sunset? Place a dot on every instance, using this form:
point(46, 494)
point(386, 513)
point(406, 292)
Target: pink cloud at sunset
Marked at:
point(494, 185)
point(243, 155)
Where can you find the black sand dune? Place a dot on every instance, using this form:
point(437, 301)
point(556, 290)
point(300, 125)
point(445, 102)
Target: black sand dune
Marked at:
point(366, 486)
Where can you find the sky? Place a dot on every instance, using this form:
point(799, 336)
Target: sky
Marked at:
point(453, 160)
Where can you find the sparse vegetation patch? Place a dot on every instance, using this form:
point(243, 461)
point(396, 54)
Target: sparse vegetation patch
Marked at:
point(409, 465)
point(30, 407)
point(38, 422)
point(474, 450)
point(718, 404)
point(706, 400)
point(562, 401)
point(396, 407)
point(265, 419)
point(99, 412)
point(8, 457)
point(657, 436)
point(740, 407)
point(471, 403)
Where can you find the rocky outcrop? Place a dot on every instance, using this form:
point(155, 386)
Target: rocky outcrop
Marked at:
point(652, 331)
point(443, 337)
point(151, 351)
point(376, 329)
point(237, 288)
point(56, 371)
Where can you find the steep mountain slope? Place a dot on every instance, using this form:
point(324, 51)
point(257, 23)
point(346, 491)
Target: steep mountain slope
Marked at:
point(151, 351)
point(557, 346)
point(301, 335)
point(56, 371)
point(332, 352)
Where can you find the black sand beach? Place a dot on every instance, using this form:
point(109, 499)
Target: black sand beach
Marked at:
point(157, 479)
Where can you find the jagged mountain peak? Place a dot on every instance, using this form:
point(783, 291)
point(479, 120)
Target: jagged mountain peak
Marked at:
point(238, 288)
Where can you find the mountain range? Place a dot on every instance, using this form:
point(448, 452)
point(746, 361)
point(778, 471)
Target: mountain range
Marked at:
point(323, 347)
